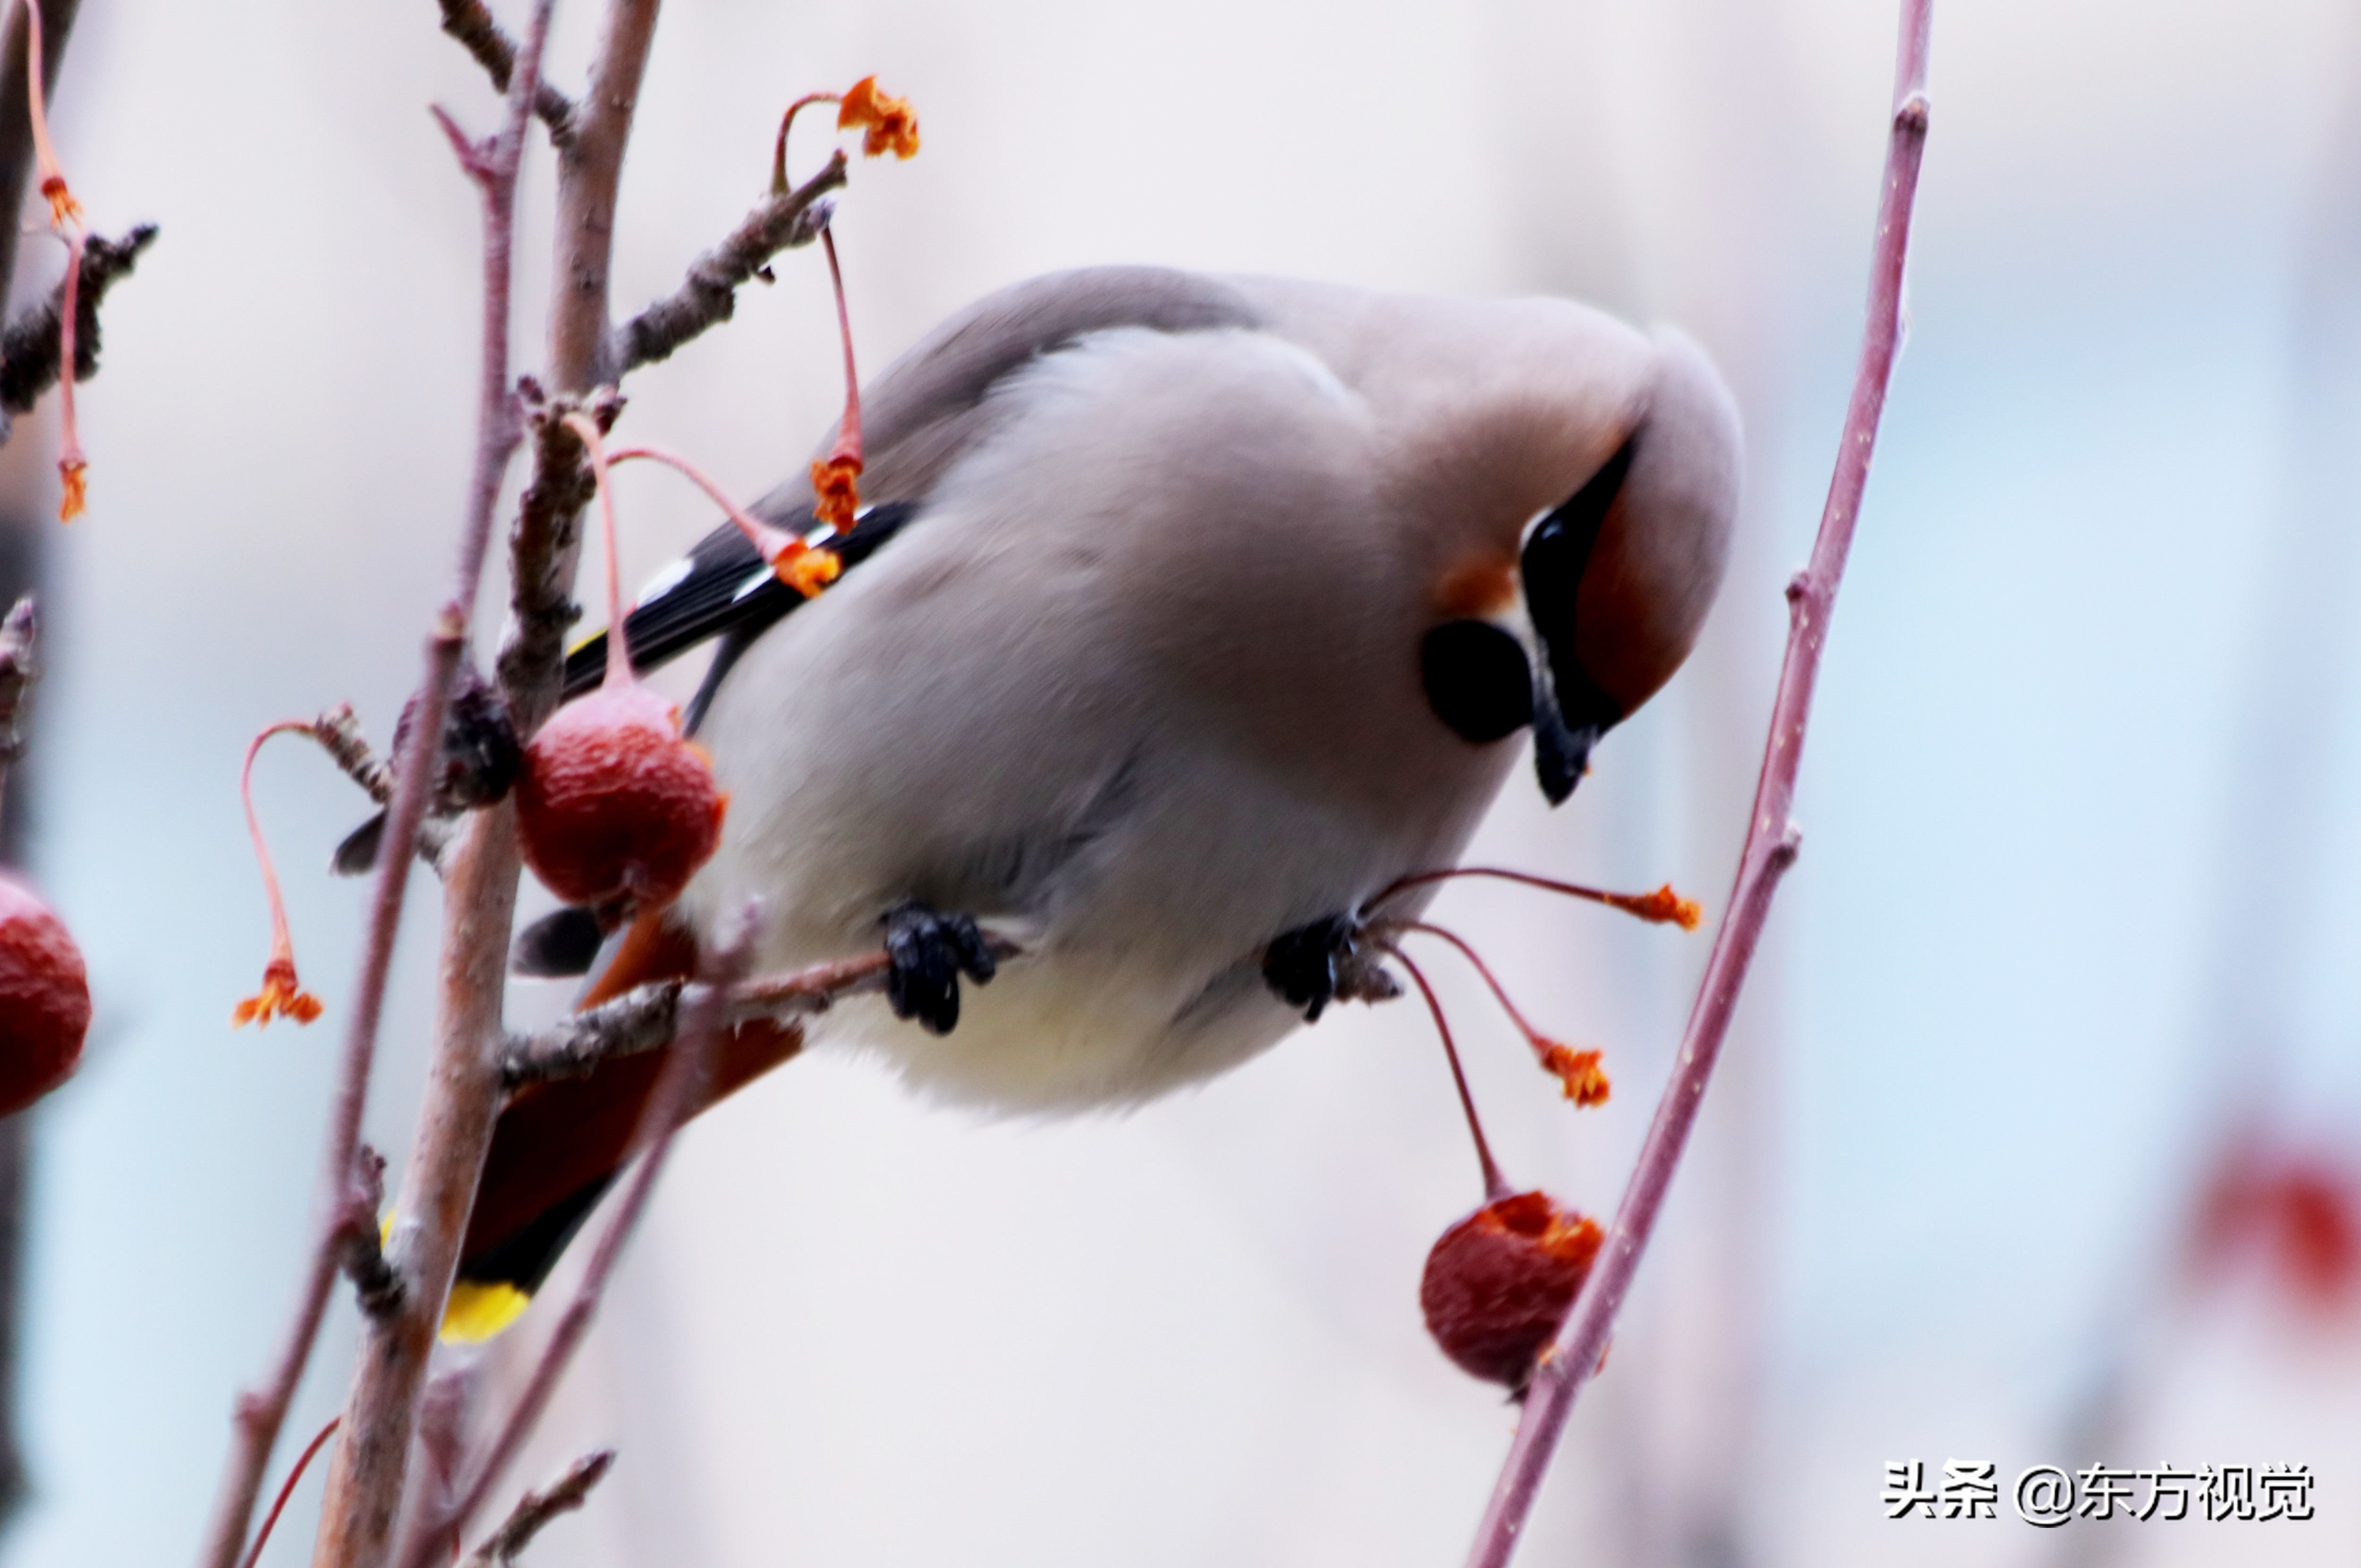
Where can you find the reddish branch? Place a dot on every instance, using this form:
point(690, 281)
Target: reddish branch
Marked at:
point(464, 1088)
point(20, 669)
point(534, 1510)
point(646, 1017)
point(1771, 838)
point(472, 25)
point(392, 1293)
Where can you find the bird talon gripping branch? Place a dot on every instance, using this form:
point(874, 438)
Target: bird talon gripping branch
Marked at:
point(927, 952)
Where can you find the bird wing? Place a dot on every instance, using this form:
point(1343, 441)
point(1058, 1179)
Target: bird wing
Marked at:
point(930, 408)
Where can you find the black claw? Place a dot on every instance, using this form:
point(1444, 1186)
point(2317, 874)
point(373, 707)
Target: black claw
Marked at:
point(925, 953)
point(1302, 965)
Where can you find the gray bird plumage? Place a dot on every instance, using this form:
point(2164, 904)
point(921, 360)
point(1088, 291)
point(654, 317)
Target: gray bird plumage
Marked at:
point(1138, 684)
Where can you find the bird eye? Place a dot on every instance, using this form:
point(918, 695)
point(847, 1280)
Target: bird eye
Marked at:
point(1476, 680)
point(1556, 553)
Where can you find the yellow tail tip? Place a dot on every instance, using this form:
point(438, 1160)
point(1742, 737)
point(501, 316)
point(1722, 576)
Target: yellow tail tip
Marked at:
point(477, 1311)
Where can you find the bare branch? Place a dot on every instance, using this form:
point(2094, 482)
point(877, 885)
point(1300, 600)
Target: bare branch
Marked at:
point(542, 546)
point(1771, 838)
point(16, 118)
point(589, 171)
point(28, 349)
point(20, 671)
point(677, 1090)
point(537, 1510)
point(646, 1017)
point(463, 1095)
point(709, 294)
point(472, 25)
point(359, 1515)
point(378, 1287)
point(338, 731)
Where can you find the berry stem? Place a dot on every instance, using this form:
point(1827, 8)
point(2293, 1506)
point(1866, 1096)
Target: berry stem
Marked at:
point(1534, 1036)
point(278, 1504)
point(1495, 1187)
point(779, 185)
point(618, 656)
point(1663, 906)
point(780, 548)
point(281, 993)
point(848, 435)
point(65, 217)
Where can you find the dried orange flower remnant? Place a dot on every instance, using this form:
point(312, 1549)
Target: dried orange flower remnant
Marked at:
point(1663, 907)
point(836, 490)
point(281, 996)
point(1580, 1071)
point(63, 208)
point(74, 488)
point(808, 571)
point(890, 127)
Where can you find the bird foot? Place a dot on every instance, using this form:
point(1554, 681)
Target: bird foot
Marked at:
point(1323, 962)
point(925, 953)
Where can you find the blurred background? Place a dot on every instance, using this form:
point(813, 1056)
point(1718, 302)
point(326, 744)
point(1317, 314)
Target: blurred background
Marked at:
point(2039, 1139)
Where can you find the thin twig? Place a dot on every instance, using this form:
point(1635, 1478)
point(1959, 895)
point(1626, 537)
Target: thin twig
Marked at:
point(534, 1510)
point(16, 117)
point(365, 1481)
point(677, 1089)
point(362, 1257)
point(29, 347)
point(472, 25)
point(20, 671)
point(708, 296)
point(589, 172)
point(338, 731)
point(1771, 838)
point(646, 1017)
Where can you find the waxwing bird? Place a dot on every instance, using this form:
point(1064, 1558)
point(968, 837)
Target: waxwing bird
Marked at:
point(1188, 615)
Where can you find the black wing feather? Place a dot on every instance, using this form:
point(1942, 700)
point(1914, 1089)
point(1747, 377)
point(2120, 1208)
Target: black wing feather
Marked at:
point(715, 599)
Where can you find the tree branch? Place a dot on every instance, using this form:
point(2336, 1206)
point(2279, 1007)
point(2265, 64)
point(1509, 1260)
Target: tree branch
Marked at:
point(1771, 838)
point(28, 349)
point(472, 25)
point(543, 546)
point(20, 669)
point(534, 1510)
point(338, 731)
point(709, 294)
point(677, 1089)
point(463, 1095)
point(589, 171)
point(16, 117)
point(646, 1017)
point(365, 1481)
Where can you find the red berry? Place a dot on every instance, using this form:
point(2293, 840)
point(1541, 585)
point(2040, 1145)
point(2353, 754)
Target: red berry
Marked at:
point(616, 809)
point(44, 998)
point(1500, 1282)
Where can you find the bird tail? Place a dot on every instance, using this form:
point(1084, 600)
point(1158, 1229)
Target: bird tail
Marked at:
point(559, 1145)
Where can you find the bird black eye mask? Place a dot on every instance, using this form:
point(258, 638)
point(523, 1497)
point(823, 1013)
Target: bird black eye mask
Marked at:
point(1569, 712)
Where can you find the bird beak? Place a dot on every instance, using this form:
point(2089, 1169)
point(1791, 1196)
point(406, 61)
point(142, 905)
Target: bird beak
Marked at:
point(1561, 751)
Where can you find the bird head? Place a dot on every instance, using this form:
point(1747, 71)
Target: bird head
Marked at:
point(1613, 582)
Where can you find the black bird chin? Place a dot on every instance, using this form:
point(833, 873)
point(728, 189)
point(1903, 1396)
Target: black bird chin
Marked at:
point(1561, 751)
